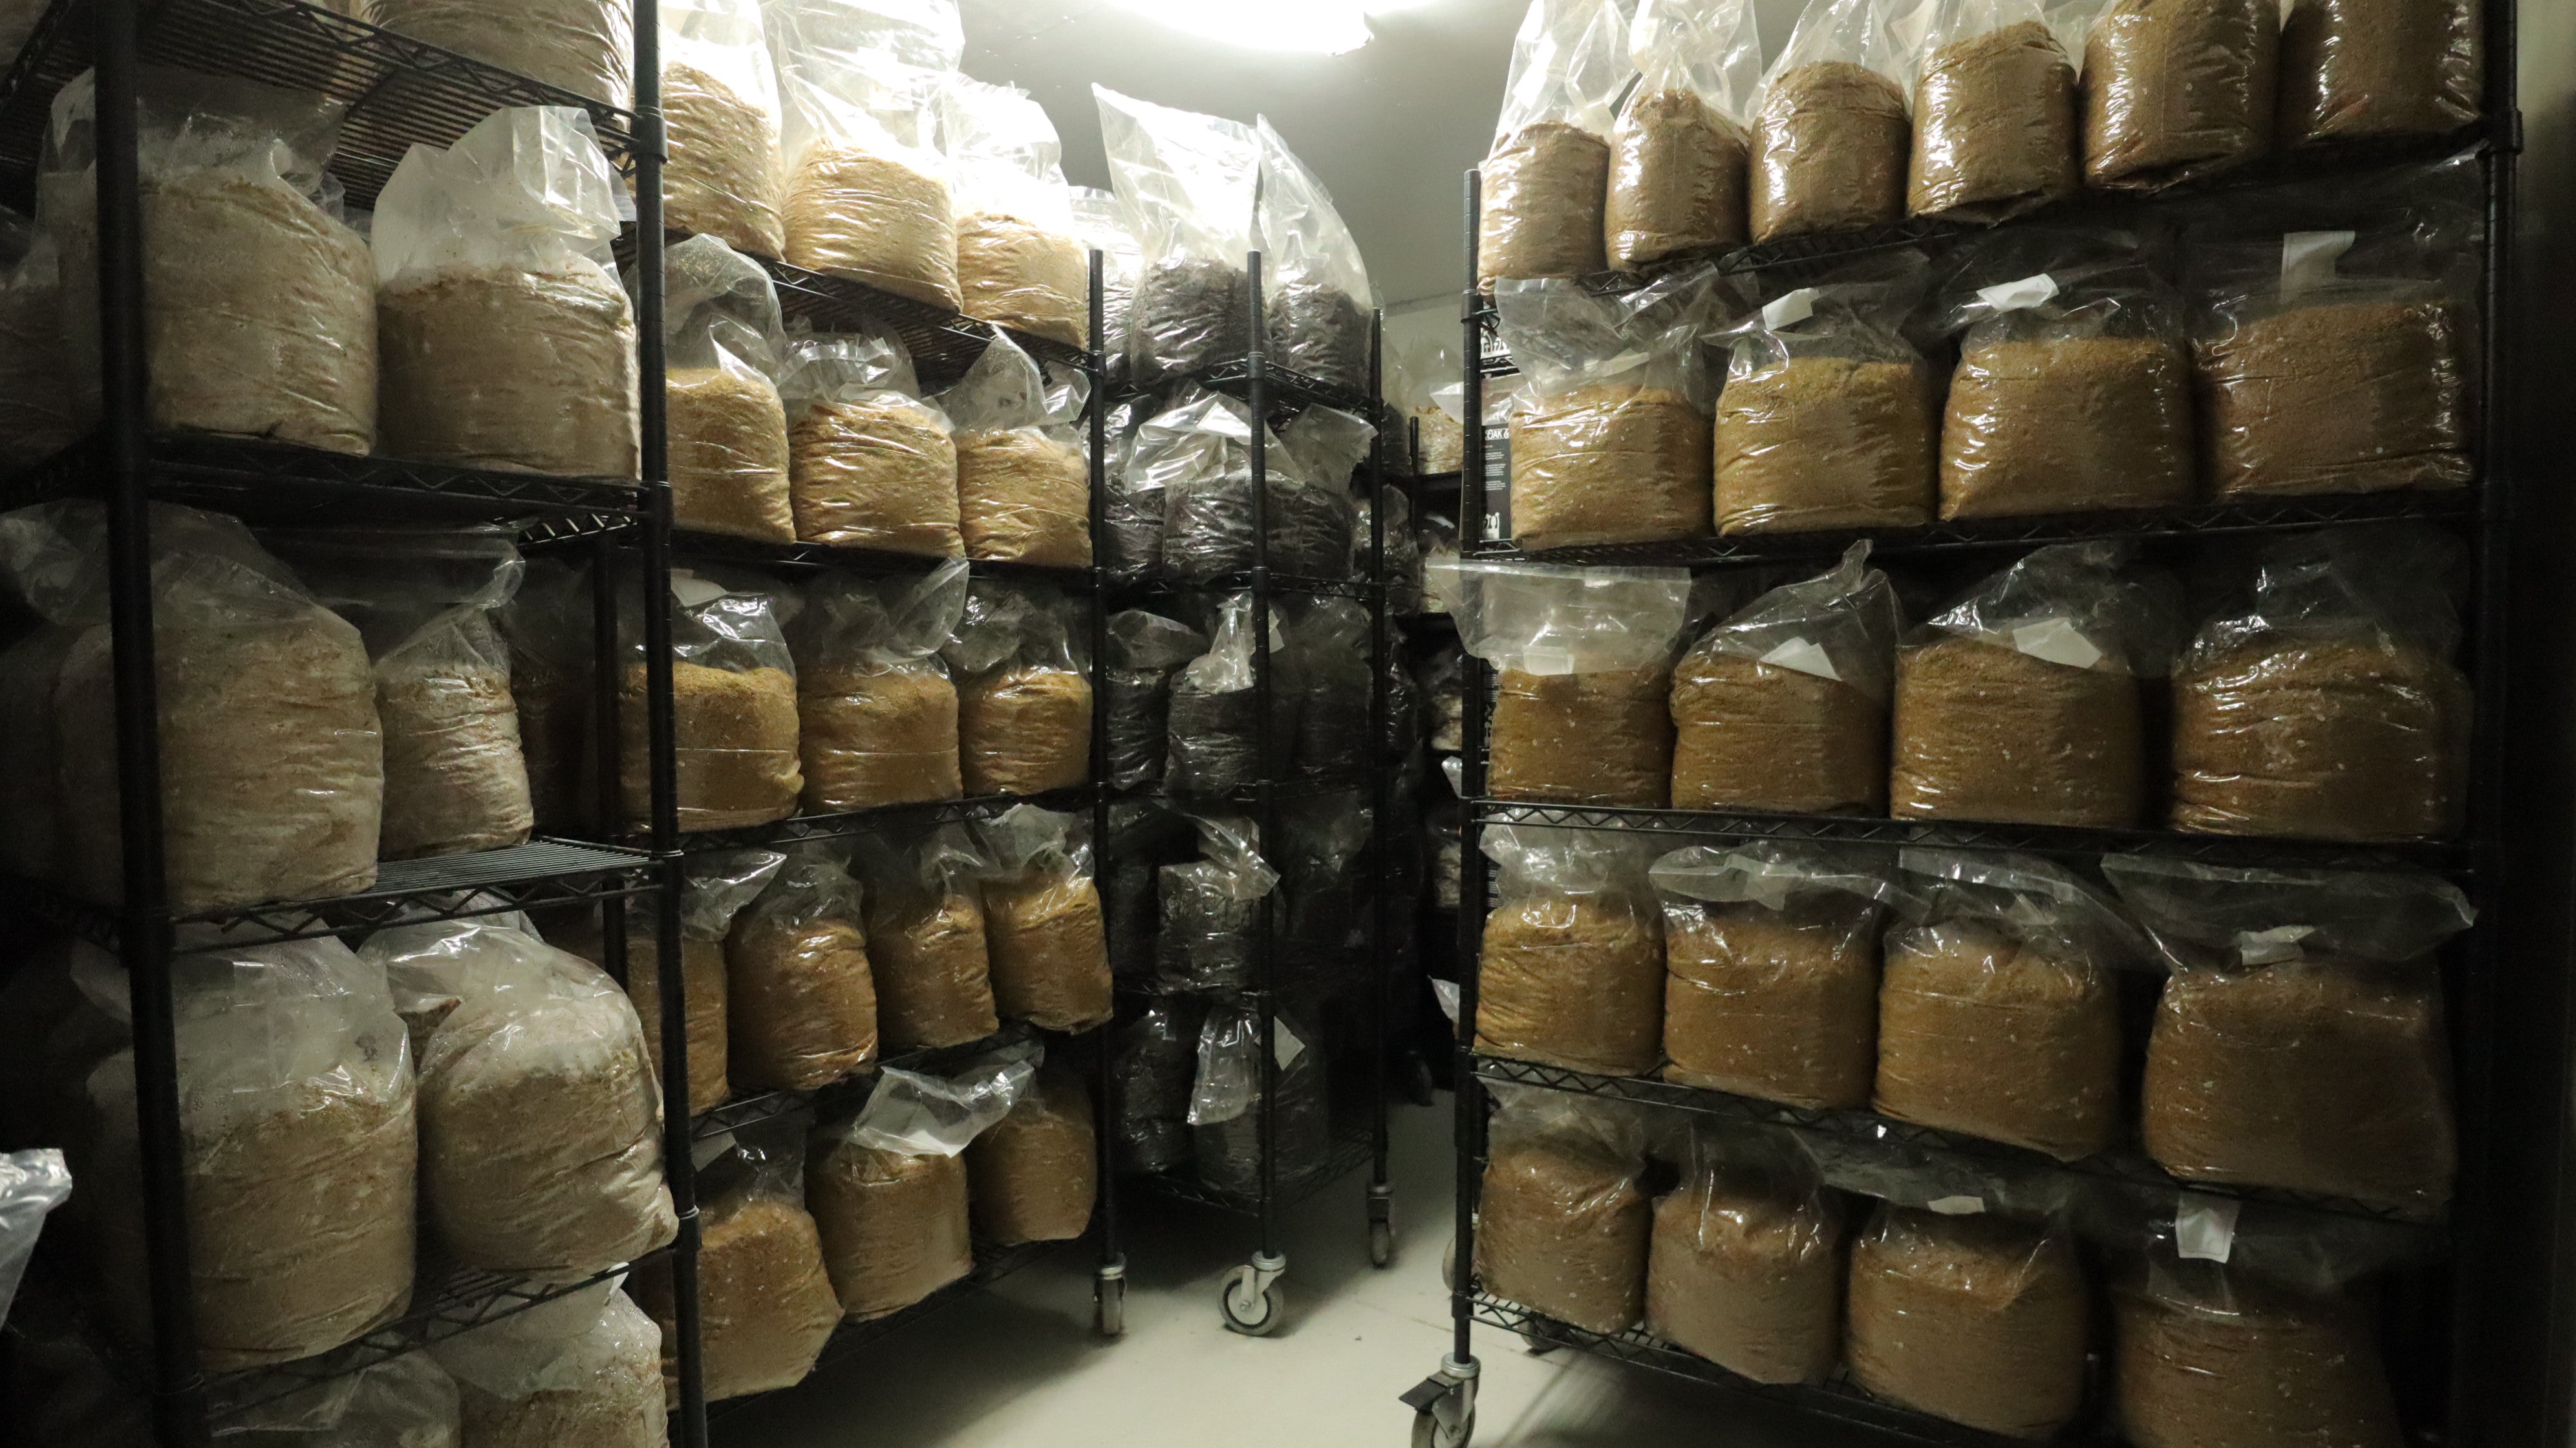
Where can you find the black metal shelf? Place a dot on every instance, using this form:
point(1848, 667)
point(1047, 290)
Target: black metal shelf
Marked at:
point(854, 823)
point(763, 1106)
point(943, 343)
point(1285, 389)
point(820, 557)
point(399, 92)
point(1351, 1150)
point(1292, 585)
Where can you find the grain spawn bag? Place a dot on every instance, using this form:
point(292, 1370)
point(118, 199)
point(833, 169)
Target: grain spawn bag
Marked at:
point(1145, 651)
point(405, 1402)
point(1020, 263)
point(1226, 1135)
point(1783, 707)
point(272, 758)
point(1199, 456)
point(2022, 703)
point(1829, 414)
point(1771, 960)
point(1610, 429)
point(1189, 185)
point(1564, 1225)
point(868, 193)
point(583, 46)
point(1156, 1066)
point(720, 104)
point(1031, 1176)
point(2300, 1040)
point(1547, 175)
point(2174, 93)
point(2073, 389)
point(553, 681)
point(874, 703)
point(1427, 440)
point(733, 686)
point(801, 1001)
point(1023, 467)
point(540, 1122)
point(889, 1189)
point(725, 349)
point(1997, 1013)
point(38, 416)
point(259, 300)
point(765, 1303)
point(1316, 294)
point(1994, 114)
point(926, 944)
point(2352, 69)
point(1023, 698)
point(1678, 152)
point(297, 1147)
point(2327, 705)
point(507, 341)
point(1831, 135)
point(1745, 1265)
point(1212, 907)
point(1979, 1319)
point(583, 1370)
point(1573, 972)
point(1042, 920)
point(1584, 658)
point(870, 464)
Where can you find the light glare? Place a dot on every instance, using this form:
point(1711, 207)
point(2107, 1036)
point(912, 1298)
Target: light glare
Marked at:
point(1327, 27)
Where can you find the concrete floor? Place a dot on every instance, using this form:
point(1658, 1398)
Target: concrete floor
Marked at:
point(1019, 1366)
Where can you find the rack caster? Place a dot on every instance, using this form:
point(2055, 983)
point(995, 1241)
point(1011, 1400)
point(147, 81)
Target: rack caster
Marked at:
point(1109, 1300)
point(1381, 1211)
point(1253, 1301)
point(1444, 1405)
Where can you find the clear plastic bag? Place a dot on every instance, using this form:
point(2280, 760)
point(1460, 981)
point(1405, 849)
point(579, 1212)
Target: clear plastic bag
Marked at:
point(1212, 907)
point(2173, 93)
point(2021, 703)
point(1830, 415)
point(801, 1000)
point(871, 465)
point(733, 686)
point(2073, 389)
point(1772, 960)
point(1322, 899)
point(868, 191)
point(1131, 515)
point(1189, 184)
point(1101, 222)
point(877, 710)
point(1783, 707)
point(584, 1369)
point(1610, 430)
point(1199, 455)
point(405, 1402)
point(1573, 971)
point(1316, 293)
point(1832, 135)
point(1023, 698)
point(1428, 440)
point(1443, 687)
point(1023, 467)
point(554, 683)
point(2326, 705)
point(1042, 920)
point(541, 1124)
point(889, 1190)
point(1032, 1175)
point(723, 180)
point(726, 349)
point(1994, 114)
point(1746, 1263)
point(38, 415)
point(1327, 660)
point(1213, 721)
point(925, 925)
point(32, 1184)
point(1581, 713)
point(1020, 262)
point(1145, 651)
point(1156, 1067)
point(1225, 1103)
point(583, 46)
point(1547, 174)
point(765, 1303)
point(1982, 1320)
point(2300, 1042)
point(1563, 1223)
point(1679, 152)
point(1403, 550)
point(2352, 69)
point(272, 758)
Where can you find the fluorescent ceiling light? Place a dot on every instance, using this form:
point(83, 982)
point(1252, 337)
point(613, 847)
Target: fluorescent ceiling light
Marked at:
point(1328, 27)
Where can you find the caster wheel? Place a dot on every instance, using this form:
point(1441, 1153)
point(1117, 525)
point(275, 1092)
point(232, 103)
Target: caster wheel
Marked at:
point(1250, 1309)
point(1381, 1244)
point(1429, 1432)
point(1109, 1301)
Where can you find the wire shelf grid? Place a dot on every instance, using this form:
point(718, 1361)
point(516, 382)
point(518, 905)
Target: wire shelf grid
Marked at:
point(851, 824)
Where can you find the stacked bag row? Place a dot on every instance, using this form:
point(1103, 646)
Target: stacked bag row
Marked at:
point(1180, 498)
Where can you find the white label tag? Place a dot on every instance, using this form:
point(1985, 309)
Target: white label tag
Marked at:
point(1806, 656)
point(1958, 1206)
point(1790, 310)
point(1446, 992)
point(2205, 1227)
point(2058, 641)
point(692, 591)
point(1547, 662)
point(2271, 947)
point(1284, 1042)
point(2308, 259)
point(2021, 295)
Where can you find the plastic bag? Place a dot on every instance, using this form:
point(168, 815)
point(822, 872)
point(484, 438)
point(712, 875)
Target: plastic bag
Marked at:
point(723, 180)
point(889, 1190)
point(1994, 114)
point(1199, 456)
point(2326, 705)
point(507, 342)
point(1032, 1175)
point(554, 683)
point(297, 1148)
point(1327, 660)
point(1746, 1263)
point(33, 826)
point(1145, 650)
point(1832, 135)
point(1042, 920)
point(1830, 416)
point(1023, 468)
point(541, 1150)
point(1212, 907)
point(800, 999)
point(1155, 1070)
point(405, 1402)
point(871, 465)
point(1428, 439)
point(2300, 1041)
point(726, 348)
point(1547, 174)
point(2354, 70)
point(1610, 432)
point(583, 1369)
point(1316, 293)
point(868, 192)
point(1783, 707)
point(32, 1184)
point(1189, 184)
point(1573, 971)
point(1019, 262)
point(1441, 685)
point(2021, 703)
point(1563, 1224)
point(272, 771)
point(1131, 515)
point(583, 46)
point(1102, 224)
point(714, 889)
point(1998, 1016)
point(1214, 718)
point(1678, 154)
point(2073, 389)
point(733, 687)
point(1981, 1320)
point(1581, 713)
point(765, 1303)
point(1225, 1103)
point(1323, 902)
point(1772, 954)
point(1402, 548)
point(38, 415)
point(2174, 93)
point(925, 925)
point(260, 314)
point(1023, 700)
point(874, 702)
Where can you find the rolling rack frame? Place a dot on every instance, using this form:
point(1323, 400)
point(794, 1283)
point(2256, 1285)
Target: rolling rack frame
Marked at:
point(1444, 1404)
